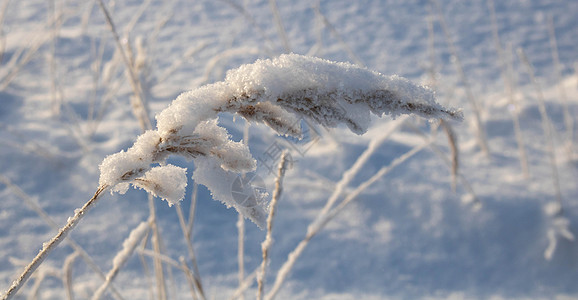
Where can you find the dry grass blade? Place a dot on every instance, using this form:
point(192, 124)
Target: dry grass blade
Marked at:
point(268, 47)
point(50, 245)
point(509, 84)
point(241, 252)
point(338, 36)
point(453, 143)
point(266, 245)
point(139, 105)
point(190, 278)
point(128, 247)
point(350, 174)
point(19, 61)
point(480, 131)
point(466, 184)
point(318, 225)
point(568, 118)
point(73, 244)
point(546, 125)
point(67, 274)
point(156, 243)
point(187, 235)
point(279, 24)
point(3, 10)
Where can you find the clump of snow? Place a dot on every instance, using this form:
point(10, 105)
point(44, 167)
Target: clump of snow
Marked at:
point(127, 165)
point(220, 182)
point(278, 92)
point(167, 182)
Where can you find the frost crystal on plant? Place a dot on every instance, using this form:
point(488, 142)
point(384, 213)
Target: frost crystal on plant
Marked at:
point(276, 92)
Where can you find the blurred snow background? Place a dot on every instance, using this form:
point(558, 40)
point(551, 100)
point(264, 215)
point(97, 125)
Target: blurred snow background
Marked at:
point(65, 105)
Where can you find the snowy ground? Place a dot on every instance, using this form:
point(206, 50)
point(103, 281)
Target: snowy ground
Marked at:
point(408, 236)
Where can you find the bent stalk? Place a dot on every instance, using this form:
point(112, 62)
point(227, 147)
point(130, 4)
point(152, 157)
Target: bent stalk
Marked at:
point(50, 245)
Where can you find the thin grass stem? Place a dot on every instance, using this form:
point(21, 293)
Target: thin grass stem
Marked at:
point(187, 235)
point(315, 227)
point(190, 277)
point(67, 274)
point(350, 174)
point(279, 24)
point(480, 131)
point(139, 107)
point(73, 244)
point(241, 228)
point(266, 245)
point(338, 36)
point(507, 74)
point(156, 244)
point(568, 119)
point(51, 245)
point(120, 259)
point(546, 125)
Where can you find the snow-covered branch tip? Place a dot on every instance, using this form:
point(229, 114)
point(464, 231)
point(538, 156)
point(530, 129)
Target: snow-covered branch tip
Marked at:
point(277, 92)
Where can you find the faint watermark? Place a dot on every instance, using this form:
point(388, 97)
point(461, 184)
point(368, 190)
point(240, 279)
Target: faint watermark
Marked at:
point(248, 189)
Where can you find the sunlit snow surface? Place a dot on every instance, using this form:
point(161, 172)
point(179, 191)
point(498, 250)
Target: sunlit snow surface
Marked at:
point(407, 237)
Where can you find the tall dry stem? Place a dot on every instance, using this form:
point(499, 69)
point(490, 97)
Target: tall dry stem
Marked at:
point(452, 137)
point(139, 105)
point(361, 160)
point(266, 245)
point(128, 247)
point(546, 125)
point(480, 131)
point(187, 236)
point(241, 229)
point(268, 44)
point(67, 274)
point(48, 220)
point(156, 244)
point(318, 225)
point(51, 245)
point(338, 36)
point(455, 153)
point(279, 24)
point(568, 118)
point(509, 85)
point(3, 9)
point(449, 162)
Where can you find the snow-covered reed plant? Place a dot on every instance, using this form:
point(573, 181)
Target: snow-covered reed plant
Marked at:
point(279, 93)
point(276, 92)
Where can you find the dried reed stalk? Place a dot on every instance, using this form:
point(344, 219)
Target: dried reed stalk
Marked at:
point(338, 36)
point(266, 245)
point(453, 143)
point(480, 131)
point(568, 118)
point(67, 274)
point(120, 259)
point(51, 244)
point(187, 235)
point(509, 85)
point(546, 125)
point(316, 226)
point(452, 138)
point(70, 241)
point(279, 24)
point(139, 106)
point(156, 243)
